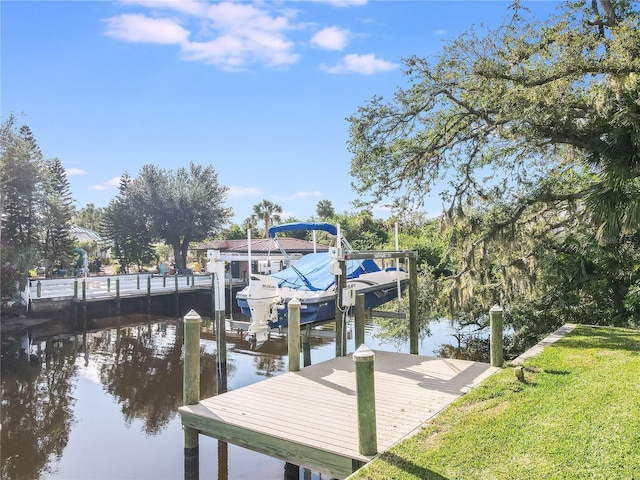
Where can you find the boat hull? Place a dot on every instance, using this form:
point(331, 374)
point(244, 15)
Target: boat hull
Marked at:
point(318, 307)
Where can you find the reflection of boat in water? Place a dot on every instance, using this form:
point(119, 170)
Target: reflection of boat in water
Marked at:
point(312, 280)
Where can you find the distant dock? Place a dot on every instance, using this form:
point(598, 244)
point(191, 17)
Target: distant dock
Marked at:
point(137, 293)
point(309, 417)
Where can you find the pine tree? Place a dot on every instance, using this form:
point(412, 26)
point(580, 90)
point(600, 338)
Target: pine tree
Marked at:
point(58, 241)
point(127, 229)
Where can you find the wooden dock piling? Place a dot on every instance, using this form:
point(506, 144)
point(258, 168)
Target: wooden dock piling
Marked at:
point(306, 346)
point(117, 296)
point(413, 306)
point(495, 340)
point(365, 393)
point(293, 335)
point(149, 294)
point(191, 390)
point(84, 304)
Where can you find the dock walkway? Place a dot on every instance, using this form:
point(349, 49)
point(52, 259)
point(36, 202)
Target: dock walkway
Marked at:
point(309, 418)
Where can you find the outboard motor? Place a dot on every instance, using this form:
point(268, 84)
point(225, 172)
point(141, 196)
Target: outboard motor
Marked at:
point(263, 297)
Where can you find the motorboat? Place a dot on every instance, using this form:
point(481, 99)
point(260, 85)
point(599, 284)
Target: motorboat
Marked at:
point(312, 280)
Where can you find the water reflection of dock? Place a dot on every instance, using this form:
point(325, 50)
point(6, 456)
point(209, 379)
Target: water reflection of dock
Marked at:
point(309, 417)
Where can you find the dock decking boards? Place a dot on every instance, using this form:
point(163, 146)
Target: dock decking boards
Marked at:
point(309, 418)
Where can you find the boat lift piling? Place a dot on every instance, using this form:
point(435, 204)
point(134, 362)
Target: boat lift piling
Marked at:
point(341, 330)
point(293, 335)
point(215, 266)
point(359, 320)
point(306, 346)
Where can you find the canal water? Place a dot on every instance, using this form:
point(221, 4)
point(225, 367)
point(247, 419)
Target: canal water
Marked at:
point(102, 404)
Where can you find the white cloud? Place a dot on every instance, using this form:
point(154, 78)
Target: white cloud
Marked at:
point(331, 38)
point(363, 64)
point(236, 192)
point(343, 3)
point(140, 28)
point(108, 185)
point(441, 32)
point(303, 195)
point(72, 172)
point(228, 34)
point(191, 7)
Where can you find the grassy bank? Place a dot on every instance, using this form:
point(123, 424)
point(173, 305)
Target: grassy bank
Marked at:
point(576, 416)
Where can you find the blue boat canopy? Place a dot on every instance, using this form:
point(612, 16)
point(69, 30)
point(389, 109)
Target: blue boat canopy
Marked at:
point(292, 227)
point(312, 272)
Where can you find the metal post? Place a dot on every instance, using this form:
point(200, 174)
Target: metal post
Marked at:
point(39, 288)
point(164, 279)
point(84, 290)
point(341, 338)
point(365, 393)
point(213, 295)
point(138, 282)
point(75, 288)
point(108, 284)
point(359, 320)
point(293, 335)
point(495, 322)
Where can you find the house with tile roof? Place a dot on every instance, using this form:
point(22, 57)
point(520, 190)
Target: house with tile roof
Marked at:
point(265, 254)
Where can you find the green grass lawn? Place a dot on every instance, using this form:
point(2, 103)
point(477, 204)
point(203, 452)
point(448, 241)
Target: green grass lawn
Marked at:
point(576, 416)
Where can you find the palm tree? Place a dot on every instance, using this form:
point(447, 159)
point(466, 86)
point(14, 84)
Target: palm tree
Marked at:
point(325, 209)
point(88, 217)
point(267, 212)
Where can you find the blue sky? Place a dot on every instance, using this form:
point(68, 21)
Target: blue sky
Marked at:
point(260, 90)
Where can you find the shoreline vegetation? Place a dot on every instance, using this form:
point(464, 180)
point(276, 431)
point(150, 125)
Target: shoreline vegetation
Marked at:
point(575, 415)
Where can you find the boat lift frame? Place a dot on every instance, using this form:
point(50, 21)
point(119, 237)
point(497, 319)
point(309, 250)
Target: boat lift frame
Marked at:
point(412, 256)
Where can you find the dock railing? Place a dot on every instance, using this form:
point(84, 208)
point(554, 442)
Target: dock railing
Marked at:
point(101, 287)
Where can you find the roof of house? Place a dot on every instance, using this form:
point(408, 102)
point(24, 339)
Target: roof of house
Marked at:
point(84, 234)
point(262, 245)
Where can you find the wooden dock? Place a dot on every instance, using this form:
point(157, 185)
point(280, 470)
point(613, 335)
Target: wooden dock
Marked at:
point(309, 418)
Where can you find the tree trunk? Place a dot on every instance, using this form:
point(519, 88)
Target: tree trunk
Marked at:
point(180, 260)
point(184, 250)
